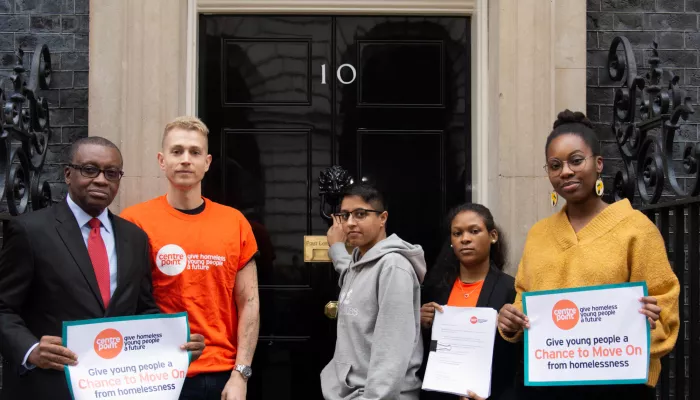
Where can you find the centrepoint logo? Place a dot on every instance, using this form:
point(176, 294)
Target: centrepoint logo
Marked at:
point(565, 314)
point(171, 259)
point(109, 343)
point(473, 320)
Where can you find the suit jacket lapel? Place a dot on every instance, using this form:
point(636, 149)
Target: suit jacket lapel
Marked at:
point(489, 284)
point(124, 256)
point(441, 296)
point(69, 231)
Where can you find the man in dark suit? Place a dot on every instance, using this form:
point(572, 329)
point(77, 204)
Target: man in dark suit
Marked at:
point(73, 261)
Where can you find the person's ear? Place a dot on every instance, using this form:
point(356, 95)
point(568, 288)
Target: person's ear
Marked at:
point(161, 160)
point(494, 236)
point(207, 162)
point(599, 164)
point(383, 217)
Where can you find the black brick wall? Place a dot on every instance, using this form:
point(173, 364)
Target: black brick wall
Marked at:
point(63, 25)
point(674, 25)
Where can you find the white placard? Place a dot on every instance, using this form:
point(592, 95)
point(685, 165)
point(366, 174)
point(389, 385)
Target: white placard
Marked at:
point(122, 358)
point(587, 336)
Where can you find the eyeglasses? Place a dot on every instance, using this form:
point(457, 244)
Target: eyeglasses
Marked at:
point(92, 171)
point(575, 163)
point(357, 214)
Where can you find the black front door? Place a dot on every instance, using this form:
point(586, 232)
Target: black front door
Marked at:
point(285, 97)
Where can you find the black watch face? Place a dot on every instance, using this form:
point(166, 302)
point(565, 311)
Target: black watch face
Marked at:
point(247, 372)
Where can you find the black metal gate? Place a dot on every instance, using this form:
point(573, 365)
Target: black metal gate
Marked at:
point(664, 184)
point(25, 133)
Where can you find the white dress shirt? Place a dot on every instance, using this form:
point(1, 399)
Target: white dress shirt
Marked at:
point(107, 236)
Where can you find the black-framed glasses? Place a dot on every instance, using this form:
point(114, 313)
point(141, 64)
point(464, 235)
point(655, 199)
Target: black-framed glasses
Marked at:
point(92, 171)
point(576, 163)
point(358, 214)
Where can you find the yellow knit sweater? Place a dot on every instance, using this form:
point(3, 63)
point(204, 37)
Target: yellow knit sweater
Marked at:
point(619, 245)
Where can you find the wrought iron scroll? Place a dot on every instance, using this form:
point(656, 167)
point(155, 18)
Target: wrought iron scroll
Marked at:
point(331, 183)
point(24, 135)
point(641, 104)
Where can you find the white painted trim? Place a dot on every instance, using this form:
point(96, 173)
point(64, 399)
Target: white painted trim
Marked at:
point(477, 9)
point(480, 104)
point(191, 67)
point(422, 7)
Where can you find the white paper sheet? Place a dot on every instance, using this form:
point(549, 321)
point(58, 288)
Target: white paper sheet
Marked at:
point(463, 339)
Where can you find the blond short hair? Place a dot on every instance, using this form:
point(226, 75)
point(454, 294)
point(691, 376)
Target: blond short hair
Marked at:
point(186, 123)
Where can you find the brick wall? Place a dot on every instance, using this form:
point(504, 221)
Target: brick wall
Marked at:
point(63, 25)
point(673, 24)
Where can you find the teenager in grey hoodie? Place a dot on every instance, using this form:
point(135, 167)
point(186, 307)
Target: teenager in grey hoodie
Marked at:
point(379, 347)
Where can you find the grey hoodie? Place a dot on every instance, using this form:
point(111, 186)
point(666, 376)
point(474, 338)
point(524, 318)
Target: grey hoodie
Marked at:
point(379, 348)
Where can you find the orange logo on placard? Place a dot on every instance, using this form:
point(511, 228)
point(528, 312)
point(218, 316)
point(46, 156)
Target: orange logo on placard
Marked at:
point(473, 320)
point(565, 314)
point(109, 343)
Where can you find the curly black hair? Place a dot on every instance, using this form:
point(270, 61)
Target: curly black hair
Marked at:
point(574, 123)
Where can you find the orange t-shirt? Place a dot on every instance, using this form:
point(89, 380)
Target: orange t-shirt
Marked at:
point(459, 289)
point(195, 259)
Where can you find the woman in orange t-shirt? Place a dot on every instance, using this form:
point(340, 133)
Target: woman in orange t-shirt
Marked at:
point(470, 274)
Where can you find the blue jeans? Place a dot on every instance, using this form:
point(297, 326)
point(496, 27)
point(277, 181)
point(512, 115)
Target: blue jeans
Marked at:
point(205, 386)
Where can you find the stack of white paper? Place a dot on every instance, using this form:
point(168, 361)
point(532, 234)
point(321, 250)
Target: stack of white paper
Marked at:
point(461, 351)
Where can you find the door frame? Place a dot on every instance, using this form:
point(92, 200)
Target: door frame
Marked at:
point(476, 9)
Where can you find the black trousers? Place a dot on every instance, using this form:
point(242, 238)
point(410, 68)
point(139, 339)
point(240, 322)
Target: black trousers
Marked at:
point(206, 386)
point(610, 392)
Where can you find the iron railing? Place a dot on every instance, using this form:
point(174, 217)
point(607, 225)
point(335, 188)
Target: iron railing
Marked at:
point(25, 133)
point(679, 224)
point(665, 186)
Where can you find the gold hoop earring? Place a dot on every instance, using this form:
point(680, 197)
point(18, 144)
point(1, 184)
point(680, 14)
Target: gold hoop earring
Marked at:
point(599, 187)
point(553, 198)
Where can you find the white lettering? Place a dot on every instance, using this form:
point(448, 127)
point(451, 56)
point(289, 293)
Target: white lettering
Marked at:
point(354, 74)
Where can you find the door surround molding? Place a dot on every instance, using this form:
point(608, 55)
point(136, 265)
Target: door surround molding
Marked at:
point(476, 9)
point(529, 63)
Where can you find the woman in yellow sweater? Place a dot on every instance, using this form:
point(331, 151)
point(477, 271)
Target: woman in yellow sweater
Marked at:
point(590, 242)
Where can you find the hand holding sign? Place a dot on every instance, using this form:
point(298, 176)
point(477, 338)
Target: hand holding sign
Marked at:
point(50, 354)
point(195, 346)
point(472, 396)
point(651, 310)
point(427, 314)
point(511, 320)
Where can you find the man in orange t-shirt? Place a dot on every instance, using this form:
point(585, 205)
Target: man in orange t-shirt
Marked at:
point(202, 255)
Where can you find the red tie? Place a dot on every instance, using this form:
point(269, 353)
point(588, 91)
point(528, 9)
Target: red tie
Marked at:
point(100, 261)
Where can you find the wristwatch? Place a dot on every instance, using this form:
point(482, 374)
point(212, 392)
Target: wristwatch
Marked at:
point(245, 371)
